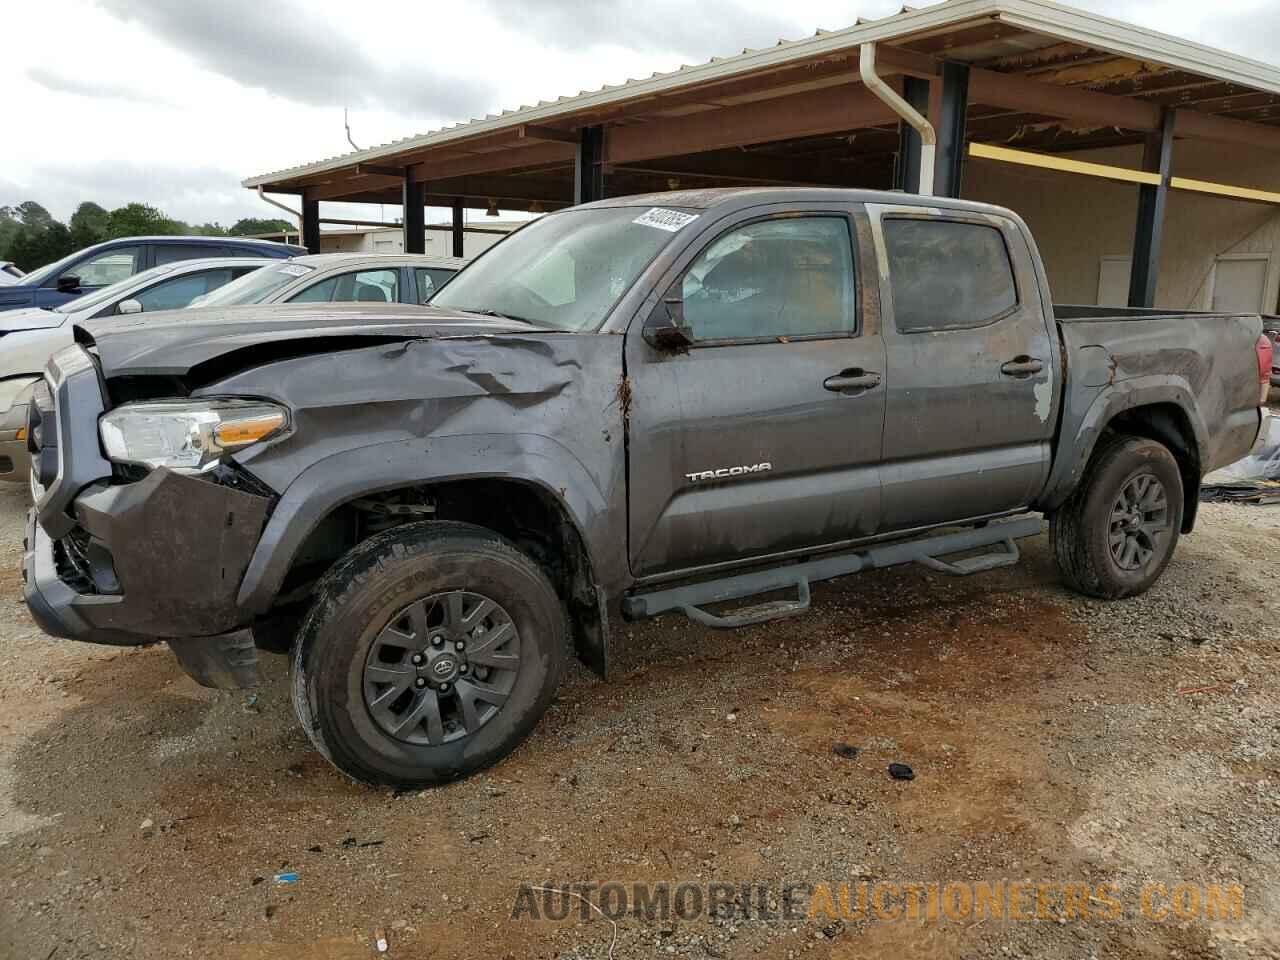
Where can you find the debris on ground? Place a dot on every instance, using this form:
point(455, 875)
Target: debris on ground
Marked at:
point(1253, 479)
point(900, 771)
point(846, 751)
point(284, 879)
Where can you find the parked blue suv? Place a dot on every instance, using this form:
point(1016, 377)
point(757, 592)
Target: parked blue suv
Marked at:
point(105, 263)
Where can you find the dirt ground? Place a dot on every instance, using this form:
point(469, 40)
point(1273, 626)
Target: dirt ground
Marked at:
point(1053, 739)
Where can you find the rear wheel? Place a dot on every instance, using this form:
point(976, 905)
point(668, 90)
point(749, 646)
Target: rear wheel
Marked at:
point(1116, 533)
point(430, 652)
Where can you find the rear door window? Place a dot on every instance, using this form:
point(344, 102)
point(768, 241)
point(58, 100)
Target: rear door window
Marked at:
point(947, 274)
point(173, 252)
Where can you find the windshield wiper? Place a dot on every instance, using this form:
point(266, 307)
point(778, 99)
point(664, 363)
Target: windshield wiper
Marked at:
point(506, 316)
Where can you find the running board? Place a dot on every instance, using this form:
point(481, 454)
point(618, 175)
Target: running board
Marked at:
point(690, 599)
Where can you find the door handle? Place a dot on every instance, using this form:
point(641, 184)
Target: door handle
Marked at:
point(851, 380)
point(1021, 366)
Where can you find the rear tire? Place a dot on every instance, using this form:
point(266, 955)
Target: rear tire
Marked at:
point(1117, 531)
point(430, 652)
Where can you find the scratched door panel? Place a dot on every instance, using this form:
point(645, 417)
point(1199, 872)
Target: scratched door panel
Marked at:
point(750, 405)
point(969, 417)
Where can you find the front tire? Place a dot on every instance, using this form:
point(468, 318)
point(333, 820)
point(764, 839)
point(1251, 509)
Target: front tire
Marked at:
point(430, 652)
point(1117, 531)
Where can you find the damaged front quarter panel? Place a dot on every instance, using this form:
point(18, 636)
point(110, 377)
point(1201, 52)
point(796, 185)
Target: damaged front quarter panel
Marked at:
point(538, 409)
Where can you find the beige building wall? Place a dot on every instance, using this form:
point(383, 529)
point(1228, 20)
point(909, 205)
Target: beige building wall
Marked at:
point(1079, 220)
point(439, 243)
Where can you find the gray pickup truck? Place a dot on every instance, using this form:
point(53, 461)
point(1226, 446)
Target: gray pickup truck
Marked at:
point(669, 403)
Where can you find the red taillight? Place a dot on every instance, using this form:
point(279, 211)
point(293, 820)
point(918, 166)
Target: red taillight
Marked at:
point(1265, 349)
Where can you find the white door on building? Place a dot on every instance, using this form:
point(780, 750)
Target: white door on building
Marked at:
point(1239, 283)
point(1113, 281)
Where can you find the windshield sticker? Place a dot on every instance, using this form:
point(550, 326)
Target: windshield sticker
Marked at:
point(294, 270)
point(668, 220)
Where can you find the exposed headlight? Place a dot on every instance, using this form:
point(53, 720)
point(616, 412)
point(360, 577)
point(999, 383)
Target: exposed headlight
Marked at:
point(187, 435)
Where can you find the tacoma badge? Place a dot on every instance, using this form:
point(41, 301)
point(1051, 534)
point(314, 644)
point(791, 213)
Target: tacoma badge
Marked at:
point(726, 472)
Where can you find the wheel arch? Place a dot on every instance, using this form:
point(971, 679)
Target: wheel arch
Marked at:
point(1157, 408)
point(527, 489)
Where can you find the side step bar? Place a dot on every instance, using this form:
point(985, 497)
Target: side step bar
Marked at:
point(690, 599)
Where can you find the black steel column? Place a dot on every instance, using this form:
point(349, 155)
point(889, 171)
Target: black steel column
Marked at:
point(907, 175)
point(950, 127)
point(310, 222)
point(459, 230)
point(588, 167)
point(1157, 157)
point(414, 201)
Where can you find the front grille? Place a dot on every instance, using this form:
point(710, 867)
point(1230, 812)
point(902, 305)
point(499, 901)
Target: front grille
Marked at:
point(70, 557)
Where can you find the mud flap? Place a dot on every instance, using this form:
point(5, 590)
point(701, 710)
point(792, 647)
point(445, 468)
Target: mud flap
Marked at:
point(225, 662)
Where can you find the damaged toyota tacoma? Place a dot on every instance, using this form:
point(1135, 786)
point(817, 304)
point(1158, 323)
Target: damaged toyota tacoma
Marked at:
point(644, 405)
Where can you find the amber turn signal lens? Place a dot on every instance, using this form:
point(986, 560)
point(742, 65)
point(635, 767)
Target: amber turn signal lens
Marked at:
point(236, 433)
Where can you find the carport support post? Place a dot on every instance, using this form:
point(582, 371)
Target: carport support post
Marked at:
point(907, 175)
point(950, 126)
point(1157, 157)
point(415, 227)
point(459, 229)
point(310, 221)
point(588, 166)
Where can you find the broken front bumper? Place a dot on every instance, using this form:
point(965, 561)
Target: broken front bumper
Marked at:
point(159, 558)
point(113, 561)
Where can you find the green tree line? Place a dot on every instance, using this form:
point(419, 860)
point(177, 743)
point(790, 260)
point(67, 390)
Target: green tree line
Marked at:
point(31, 237)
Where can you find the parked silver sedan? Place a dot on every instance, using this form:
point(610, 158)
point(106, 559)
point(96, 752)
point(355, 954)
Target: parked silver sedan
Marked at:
point(340, 278)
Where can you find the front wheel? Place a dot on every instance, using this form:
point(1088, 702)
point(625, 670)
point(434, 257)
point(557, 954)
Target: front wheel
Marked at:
point(1115, 534)
point(430, 652)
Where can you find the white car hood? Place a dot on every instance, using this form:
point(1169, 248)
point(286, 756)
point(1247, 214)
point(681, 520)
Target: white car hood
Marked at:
point(30, 318)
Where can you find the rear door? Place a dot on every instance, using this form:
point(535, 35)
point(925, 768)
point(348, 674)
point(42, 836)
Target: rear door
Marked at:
point(764, 437)
point(972, 386)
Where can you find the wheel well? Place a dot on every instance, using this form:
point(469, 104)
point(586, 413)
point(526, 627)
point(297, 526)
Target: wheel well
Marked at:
point(526, 514)
point(1168, 424)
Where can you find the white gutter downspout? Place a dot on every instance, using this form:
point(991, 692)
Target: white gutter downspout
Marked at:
point(928, 139)
point(276, 203)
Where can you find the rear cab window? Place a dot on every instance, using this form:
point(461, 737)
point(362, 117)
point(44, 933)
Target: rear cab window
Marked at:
point(948, 274)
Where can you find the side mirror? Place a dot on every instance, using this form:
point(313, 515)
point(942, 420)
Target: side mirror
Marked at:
point(665, 330)
point(129, 306)
point(68, 284)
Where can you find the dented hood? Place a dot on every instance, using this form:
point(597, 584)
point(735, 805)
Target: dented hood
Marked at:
point(175, 341)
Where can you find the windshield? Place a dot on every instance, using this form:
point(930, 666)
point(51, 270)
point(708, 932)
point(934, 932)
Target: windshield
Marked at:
point(567, 270)
point(115, 291)
point(255, 287)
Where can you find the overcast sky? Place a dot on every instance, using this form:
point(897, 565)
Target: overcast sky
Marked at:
point(173, 102)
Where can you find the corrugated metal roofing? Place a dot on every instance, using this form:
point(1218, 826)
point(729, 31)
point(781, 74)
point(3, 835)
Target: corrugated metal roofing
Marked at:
point(1034, 16)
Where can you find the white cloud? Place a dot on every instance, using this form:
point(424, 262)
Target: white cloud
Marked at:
point(172, 103)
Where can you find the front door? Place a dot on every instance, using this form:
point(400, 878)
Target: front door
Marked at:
point(764, 437)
